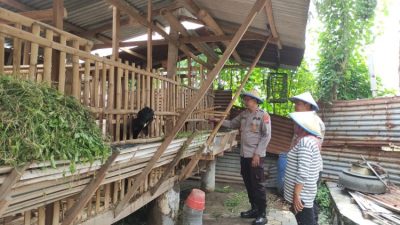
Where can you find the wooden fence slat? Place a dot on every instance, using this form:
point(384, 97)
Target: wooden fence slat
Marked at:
point(86, 88)
point(118, 101)
point(17, 53)
point(76, 80)
point(126, 101)
point(2, 54)
point(47, 59)
point(34, 53)
point(62, 69)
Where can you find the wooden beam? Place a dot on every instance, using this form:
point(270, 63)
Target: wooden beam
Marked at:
point(177, 25)
point(149, 37)
point(194, 101)
point(126, 7)
point(42, 15)
point(129, 21)
point(7, 185)
point(249, 36)
point(90, 189)
point(115, 33)
point(187, 171)
point(210, 22)
point(271, 23)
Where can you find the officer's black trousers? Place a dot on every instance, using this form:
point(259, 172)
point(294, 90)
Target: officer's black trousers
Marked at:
point(253, 178)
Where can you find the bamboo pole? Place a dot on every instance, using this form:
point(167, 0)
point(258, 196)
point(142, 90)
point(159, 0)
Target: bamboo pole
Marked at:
point(41, 216)
point(194, 101)
point(119, 102)
point(34, 53)
point(25, 57)
point(56, 213)
point(27, 217)
point(2, 54)
point(126, 102)
point(103, 92)
point(95, 83)
point(62, 70)
point(76, 80)
point(187, 171)
point(149, 36)
point(17, 52)
point(47, 59)
point(86, 90)
point(111, 90)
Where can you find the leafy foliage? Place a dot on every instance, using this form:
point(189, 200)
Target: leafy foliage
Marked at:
point(39, 124)
point(299, 81)
point(343, 73)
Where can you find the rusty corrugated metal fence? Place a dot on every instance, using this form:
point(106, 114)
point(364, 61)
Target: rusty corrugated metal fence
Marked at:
point(353, 128)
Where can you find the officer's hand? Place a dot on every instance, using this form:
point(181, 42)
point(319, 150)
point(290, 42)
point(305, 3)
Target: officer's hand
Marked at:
point(256, 161)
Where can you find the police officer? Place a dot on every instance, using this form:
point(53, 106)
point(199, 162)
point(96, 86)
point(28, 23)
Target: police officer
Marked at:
point(255, 128)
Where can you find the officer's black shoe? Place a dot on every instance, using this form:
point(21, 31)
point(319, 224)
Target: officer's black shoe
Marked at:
point(261, 219)
point(252, 213)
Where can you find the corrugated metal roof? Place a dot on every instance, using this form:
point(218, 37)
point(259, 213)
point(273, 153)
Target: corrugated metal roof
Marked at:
point(290, 18)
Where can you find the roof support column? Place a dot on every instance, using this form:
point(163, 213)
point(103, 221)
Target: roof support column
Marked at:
point(115, 33)
point(58, 22)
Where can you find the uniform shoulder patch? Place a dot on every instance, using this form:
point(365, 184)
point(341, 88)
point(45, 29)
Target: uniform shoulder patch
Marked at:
point(266, 118)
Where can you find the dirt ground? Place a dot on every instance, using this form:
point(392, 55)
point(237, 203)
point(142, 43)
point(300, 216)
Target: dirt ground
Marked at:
point(223, 206)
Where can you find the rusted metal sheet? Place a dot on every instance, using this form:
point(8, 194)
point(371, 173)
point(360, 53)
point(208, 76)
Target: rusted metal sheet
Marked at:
point(338, 159)
point(369, 123)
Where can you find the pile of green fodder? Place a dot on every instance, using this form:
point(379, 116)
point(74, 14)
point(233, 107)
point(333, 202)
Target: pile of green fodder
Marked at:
point(39, 124)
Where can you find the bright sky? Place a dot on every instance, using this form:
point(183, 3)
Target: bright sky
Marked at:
point(108, 51)
point(384, 52)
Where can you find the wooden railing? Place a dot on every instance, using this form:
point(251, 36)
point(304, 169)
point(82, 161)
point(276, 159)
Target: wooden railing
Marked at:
point(113, 90)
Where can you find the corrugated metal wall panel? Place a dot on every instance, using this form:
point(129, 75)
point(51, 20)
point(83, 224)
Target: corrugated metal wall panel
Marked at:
point(374, 122)
point(228, 169)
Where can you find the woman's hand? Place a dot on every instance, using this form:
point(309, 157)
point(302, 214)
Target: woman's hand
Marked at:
point(256, 160)
point(297, 204)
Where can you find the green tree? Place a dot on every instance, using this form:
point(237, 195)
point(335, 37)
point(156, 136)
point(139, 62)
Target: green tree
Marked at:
point(342, 70)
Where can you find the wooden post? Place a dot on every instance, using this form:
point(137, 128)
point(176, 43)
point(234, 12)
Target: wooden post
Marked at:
point(56, 213)
point(62, 68)
point(126, 102)
point(119, 101)
point(193, 103)
point(187, 171)
point(76, 79)
point(88, 192)
point(95, 83)
point(2, 54)
point(115, 33)
point(17, 53)
point(34, 53)
point(58, 22)
point(111, 96)
point(47, 59)
point(27, 217)
point(86, 90)
point(149, 36)
point(172, 54)
point(41, 216)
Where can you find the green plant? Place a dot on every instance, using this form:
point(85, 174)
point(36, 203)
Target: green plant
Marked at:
point(235, 200)
point(342, 70)
point(39, 124)
point(324, 202)
point(225, 189)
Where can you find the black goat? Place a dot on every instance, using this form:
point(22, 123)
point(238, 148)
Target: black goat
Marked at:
point(142, 122)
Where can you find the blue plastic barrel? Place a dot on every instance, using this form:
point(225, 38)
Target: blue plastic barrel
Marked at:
point(282, 161)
